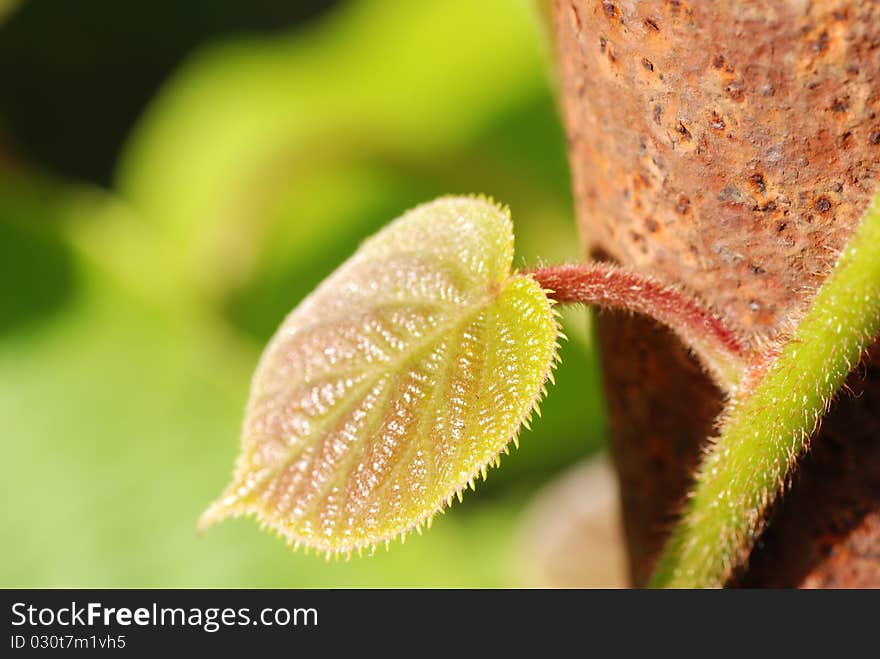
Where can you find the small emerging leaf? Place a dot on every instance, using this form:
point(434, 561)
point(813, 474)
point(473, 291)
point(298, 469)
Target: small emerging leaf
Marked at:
point(395, 384)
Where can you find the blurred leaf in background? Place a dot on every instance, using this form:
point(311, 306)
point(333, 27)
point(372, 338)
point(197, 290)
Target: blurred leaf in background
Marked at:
point(77, 74)
point(132, 317)
point(6, 7)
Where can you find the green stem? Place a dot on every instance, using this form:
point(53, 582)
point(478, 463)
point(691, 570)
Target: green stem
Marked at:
point(768, 426)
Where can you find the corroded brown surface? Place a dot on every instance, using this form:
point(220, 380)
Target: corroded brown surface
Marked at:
point(727, 146)
point(667, 427)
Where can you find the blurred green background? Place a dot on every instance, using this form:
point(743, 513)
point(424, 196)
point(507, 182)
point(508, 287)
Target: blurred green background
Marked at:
point(174, 177)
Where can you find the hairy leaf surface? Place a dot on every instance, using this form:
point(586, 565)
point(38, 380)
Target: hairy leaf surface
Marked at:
point(395, 384)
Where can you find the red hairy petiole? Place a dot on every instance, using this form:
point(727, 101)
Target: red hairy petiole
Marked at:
point(718, 347)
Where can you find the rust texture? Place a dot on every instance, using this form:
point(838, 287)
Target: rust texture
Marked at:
point(668, 434)
point(729, 147)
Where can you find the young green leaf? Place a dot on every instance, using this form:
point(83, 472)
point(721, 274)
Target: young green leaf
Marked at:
point(395, 384)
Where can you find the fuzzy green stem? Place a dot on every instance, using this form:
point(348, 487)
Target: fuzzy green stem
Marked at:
point(768, 427)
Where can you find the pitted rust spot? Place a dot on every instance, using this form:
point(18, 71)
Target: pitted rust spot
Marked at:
point(683, 131)
point(717, 121)
point(683, 205)
point(611, 11)
point(822, 204)
point(758, 183)
point(735, 90)
point(840, 105)
point(820, 45)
